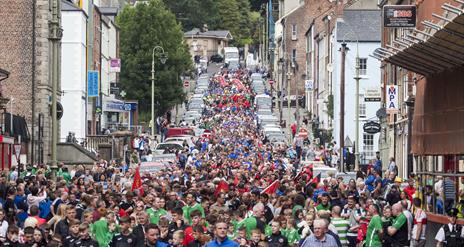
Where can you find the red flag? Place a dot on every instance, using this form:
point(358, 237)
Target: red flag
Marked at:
point(137, 184)
point(272, 188)
point(316, 180)
point(223, 186)
point(236, 180)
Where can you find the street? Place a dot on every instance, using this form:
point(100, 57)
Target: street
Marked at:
point(374, 157)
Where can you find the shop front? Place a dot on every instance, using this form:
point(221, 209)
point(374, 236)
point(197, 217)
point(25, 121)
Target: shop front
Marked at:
point(433, 53)
point(113, 116)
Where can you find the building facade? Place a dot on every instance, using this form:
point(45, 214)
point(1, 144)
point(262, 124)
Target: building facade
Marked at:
point(360, 31)
point(74, 71)
point(207, 43)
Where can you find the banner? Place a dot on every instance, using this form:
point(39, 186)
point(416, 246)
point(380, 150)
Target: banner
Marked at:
point(92, 84)
point(115, 65)
point(392, 99)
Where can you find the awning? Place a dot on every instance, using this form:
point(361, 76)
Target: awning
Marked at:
point(115, 105)
point(437, 48)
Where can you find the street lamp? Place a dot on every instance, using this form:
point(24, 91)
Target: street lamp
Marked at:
point(163, 58)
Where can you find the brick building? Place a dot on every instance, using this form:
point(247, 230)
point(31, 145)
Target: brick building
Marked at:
point(304, 51)
point(25, 54)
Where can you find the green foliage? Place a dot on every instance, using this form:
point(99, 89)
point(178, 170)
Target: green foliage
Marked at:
point(141, 29)
point(194, 13)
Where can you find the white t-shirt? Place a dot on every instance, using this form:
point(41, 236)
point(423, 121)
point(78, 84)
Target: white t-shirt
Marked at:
point(440, 237)
point(419, 217)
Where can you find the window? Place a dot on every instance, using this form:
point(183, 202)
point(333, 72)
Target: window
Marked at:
point(368, 147)
point(362, 106)
point(294, 55)
point(294, 32)
point(363, 66)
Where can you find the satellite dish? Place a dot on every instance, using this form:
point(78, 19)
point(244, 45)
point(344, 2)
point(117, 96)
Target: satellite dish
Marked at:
point(381, 113)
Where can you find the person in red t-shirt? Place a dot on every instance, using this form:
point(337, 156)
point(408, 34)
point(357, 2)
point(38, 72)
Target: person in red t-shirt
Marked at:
point(410, 190)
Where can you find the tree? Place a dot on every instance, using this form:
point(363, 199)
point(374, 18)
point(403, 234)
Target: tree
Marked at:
point(141, 29)
point(244, 35)
point(194, 13)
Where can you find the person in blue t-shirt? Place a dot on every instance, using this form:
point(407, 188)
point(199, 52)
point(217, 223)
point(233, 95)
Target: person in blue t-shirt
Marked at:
point(220, 236)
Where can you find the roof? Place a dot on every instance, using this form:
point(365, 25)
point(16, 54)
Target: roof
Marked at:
point(360, 25)
point(109, 10)
point(68, 6)
point(218, 34)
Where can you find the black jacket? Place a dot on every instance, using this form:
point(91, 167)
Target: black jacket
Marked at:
point(69, 240)
point(85, 243)
point(139, 234)
point(277, 240)
point(121, 240)
point(62, 228)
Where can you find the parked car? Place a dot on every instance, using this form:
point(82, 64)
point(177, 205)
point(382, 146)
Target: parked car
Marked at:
point(168, 148)
point(187, 139)
point(216, 58)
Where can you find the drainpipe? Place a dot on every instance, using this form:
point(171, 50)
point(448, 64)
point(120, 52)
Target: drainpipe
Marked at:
point(32, 158)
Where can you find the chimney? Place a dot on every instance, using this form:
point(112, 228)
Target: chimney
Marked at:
point(205, 28)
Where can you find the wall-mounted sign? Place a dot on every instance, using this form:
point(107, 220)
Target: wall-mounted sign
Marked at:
point(392, 99)
point(92, 83)
point(113, 105)
point(372, 94)
point(115, 65)
point(309, 84)
point(397, 16)
point(372, 127)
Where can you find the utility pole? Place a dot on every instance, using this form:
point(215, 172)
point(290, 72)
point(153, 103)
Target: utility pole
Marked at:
point(357, 78)
point(55, 34)
point(342, 107)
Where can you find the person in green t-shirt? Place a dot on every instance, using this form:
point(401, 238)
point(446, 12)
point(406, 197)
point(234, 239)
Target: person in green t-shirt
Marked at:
point(100, 229)
point(374, 229)
point(324, 204)
point(191, 206)
point(399, 230)
point(157, 210)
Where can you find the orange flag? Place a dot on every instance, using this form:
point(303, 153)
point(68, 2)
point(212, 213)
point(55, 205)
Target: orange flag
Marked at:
point(137, 184)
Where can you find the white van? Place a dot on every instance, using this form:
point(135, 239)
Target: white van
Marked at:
point(231, 55)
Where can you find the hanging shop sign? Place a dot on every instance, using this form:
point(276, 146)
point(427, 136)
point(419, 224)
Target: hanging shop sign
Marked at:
point(392, 99)
point(399, 16)
point(372, 127)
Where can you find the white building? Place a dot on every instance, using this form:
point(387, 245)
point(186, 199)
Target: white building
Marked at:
point(112, 117)
point(360, 30)
point(73, 71)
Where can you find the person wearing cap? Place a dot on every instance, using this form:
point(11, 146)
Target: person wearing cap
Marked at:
point(125, 238)
point(450, 234)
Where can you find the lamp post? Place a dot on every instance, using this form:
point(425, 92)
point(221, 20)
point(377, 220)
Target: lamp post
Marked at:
point(357, 78)
point(163, 58)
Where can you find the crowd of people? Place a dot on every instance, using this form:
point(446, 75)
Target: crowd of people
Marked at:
point(230, 189)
